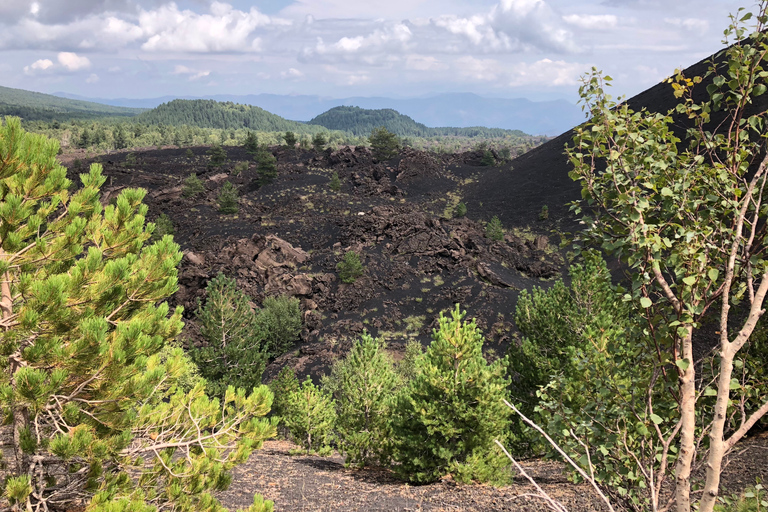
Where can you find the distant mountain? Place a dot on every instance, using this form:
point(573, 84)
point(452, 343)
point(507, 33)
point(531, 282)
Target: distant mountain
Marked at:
point(35, 106)
point(215, 114)
point(457, 109)
point(360, 122)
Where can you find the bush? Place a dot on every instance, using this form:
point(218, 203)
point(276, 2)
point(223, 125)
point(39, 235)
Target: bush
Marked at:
point(218, 156)
point(494, 230)
point(350, 268)
point(384, 144)
point(267, 167)
point(335, 183)
point(319, 141)
point(234, 354)
point(189, 154)
point(282, 386)
point(251, 143)
point(451, 411)
point(192, 187)
point(364, 386)
point(279, 323)
point(488, 159)
point(227, 198)
point(163, 226)
point(310, 417)
point(240, 167)
point(290, 139)
point(544, 213)
point(461, 210)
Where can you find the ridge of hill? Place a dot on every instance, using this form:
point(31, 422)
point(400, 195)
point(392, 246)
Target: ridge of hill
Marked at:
point(459, 109)
point(360, 121)
point(222, 115)
point(36, 106)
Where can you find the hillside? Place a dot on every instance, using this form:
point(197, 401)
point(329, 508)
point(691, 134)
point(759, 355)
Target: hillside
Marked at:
point(222, 115)
point(35, 106)
point(361, 121)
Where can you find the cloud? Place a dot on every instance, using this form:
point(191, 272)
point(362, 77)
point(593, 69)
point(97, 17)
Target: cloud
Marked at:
point(73, 62)
point(192, 74)
point(547, 72)
point(225, 29)
point(424, 63)
point(373, 48)
point(592, 21)
point(293, 74)
point(690, 24)
point(92, 78)
point(38, 65)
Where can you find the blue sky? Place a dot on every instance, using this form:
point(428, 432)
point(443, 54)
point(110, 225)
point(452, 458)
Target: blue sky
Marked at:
point(535, 49)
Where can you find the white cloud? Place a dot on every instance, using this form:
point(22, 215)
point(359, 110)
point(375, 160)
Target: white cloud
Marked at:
point(38, 65)
point(293, 74)
point(690, 24)
point(193, 74)
point(73, 62)
point(592, 21)
point(92, 78)
point(482, 70)
point(424, 63)
point(547, 72)
point(225, 29)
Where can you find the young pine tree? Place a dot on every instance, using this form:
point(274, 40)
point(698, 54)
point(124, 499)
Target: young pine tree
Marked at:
point(319, 141)
point(364, 385)
point(384, 144)
point(251, 143)
point(95, 414)
point(234, 354)
point(267, 167)
point(350, 267)
point(218, 156)
point(452, 410)
point(227, 198)
point(310, 417)
point(494, 230)
point(279, 323)
point(290, 139)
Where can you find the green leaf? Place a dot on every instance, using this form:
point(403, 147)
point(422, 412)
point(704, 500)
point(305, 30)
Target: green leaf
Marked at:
point(683, 364)
point(667, 192)
point(645, 302)
point(690, 280)
point(713, 274)
point(656, 419)
point(709, 391)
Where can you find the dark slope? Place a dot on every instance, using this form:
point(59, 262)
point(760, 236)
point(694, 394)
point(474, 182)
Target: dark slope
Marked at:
point(35, 106)
point(540, 177)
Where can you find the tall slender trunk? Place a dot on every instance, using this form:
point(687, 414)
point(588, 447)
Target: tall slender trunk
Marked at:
point(688, 426)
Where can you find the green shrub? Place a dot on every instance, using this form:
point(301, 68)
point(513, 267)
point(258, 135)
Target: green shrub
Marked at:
point(335, 183)
point(488, 159)
point(544, 213)
point(406, 367)
point(282, 386)
point(267, 167)
point(384, 144)
point(130, 159)
point(310, 416)
point(450, 413)
point(280, 323)
point(461, 210)
point(227, 198)
point(363, 385)
point(189, 154)
point(234, 353)
point(494, 229)
point(218, 156)
point(319, 141)
point(193, 187)
point(753, 499)
point(163, 226)
point(240, 167)
point(290, 139)
point(251, 143)
point(350, 268)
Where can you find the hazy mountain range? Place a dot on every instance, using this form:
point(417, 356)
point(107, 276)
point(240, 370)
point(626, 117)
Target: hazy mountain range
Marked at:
point(457, 109)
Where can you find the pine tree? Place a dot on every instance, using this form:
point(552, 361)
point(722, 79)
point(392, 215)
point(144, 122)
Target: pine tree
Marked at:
point(94, 411)
point(319, 141)
point(282, 386)
point(451, 411)
point(267, 167)
point(290, 139)
point(251, 143)
point(335, 183)
point(218, 156)
point(364, 385)
point(279, 323)
point(193, 186)
point(384, 144)
point(350, 268)
point(310, 416)
point(227, 198)
point(494, 230)
point(234, 353)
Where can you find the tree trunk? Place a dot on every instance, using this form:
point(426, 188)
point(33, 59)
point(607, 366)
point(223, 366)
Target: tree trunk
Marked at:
point(688, 426)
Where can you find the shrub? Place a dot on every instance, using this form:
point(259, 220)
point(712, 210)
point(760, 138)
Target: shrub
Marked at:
point(310, 417)
point(384, 144)
point(319, 141)
point(451, 411)
point(227, 198)
point(189, 154)
point(267, 167)
point(364, 386)
point(335, 183)
point(234, 354)
point(488, 159)
point(163, 226)
point(240, 167)
point(406, 367)
point(290, 139)
point(279, 322)
point(494, 229)
point(461, 210)
point(218, 156)
point(130, 159)
point(282, 386)
point(251, 143)
point(544, 213)
point(192, 187)
point(350, 268)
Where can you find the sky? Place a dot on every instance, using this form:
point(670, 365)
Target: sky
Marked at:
point(535, 49)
